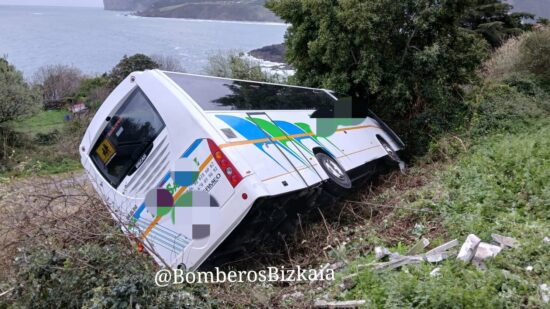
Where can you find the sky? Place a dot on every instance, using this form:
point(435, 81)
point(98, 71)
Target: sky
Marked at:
point(86, 3)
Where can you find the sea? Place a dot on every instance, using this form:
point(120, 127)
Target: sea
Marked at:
point(94, 40)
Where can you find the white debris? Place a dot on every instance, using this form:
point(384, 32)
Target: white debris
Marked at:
point(444, 247)
point(437, 257)
point(339, 304)
point(505, 241)
point(295, 295)
point(485, 251)
point(529, 268)
point(468, 250)
point(381, 252)
point(546, 240)
point(436, 272)
point(545, 293)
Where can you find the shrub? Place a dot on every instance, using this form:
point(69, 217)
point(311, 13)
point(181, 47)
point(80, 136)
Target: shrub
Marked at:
point(94, 90)
point(535, 54)
point(233, 65)
point(94, 276)
point(168, 63)
point(58, 82)
point(17, 99)
point(47, 138)
point(498, 107)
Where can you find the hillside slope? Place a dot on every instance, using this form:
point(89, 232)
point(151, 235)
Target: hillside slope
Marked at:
point(238, 10)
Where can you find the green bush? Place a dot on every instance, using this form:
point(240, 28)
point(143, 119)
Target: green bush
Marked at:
point(502, 107)
point(95, 275)
point(535, 54)
point(47, 138)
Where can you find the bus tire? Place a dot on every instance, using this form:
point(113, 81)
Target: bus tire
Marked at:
point(334, 170)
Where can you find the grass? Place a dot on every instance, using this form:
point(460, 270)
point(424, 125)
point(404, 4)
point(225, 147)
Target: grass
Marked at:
point(43, 122)
point(499, 186)
point(48, 145)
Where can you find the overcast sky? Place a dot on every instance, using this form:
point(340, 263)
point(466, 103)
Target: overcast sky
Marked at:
point(88, 3)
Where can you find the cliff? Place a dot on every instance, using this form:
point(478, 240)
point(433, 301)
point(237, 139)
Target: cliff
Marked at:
point(240, 10)
point(127, 5)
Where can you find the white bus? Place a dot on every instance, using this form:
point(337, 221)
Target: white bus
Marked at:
point(250, 142)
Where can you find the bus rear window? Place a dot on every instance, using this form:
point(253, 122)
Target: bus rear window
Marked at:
point(224, 94)
point(128, 136)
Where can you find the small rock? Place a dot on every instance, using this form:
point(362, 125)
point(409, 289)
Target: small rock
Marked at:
point(348, 283)
point(545, 293)
point(546, 240)
point(485, 251)
point(436, 272)
point(381, 252)
point(468, 249)
point(529, 268)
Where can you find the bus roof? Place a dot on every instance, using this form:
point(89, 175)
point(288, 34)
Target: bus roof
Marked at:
point(219, 94)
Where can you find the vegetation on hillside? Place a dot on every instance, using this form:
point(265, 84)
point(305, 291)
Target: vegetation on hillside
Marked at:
point(481, 126)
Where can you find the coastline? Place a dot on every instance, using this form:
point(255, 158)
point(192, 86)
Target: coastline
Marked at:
point(266, 23)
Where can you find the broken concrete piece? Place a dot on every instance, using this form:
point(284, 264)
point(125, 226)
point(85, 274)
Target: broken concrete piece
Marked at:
point(338, 304)
point(444, 247)
point(545, 293)
point(505, 241)
point(438, 257)
point(468, 250)
point(381, 252)
point(485, 251)
point(419, 247)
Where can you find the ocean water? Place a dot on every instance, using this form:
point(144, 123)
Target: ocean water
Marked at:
point(95, 40)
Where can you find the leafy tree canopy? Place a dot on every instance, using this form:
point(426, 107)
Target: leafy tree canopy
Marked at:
point(16, 97)
point(408, 58)
point(494, 20)
point(127, 65)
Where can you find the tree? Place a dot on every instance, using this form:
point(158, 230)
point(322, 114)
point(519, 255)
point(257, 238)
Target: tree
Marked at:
point(233, 65)
point(407, 58)
point(168, 63)
point(58, 82)
point(494, 20)
point(17, 99)
point(127, 65)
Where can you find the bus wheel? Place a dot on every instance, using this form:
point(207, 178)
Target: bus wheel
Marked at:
point(392, 155)
point(334, 170)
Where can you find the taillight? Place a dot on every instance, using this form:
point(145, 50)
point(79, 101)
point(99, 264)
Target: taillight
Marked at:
point(227, 167)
